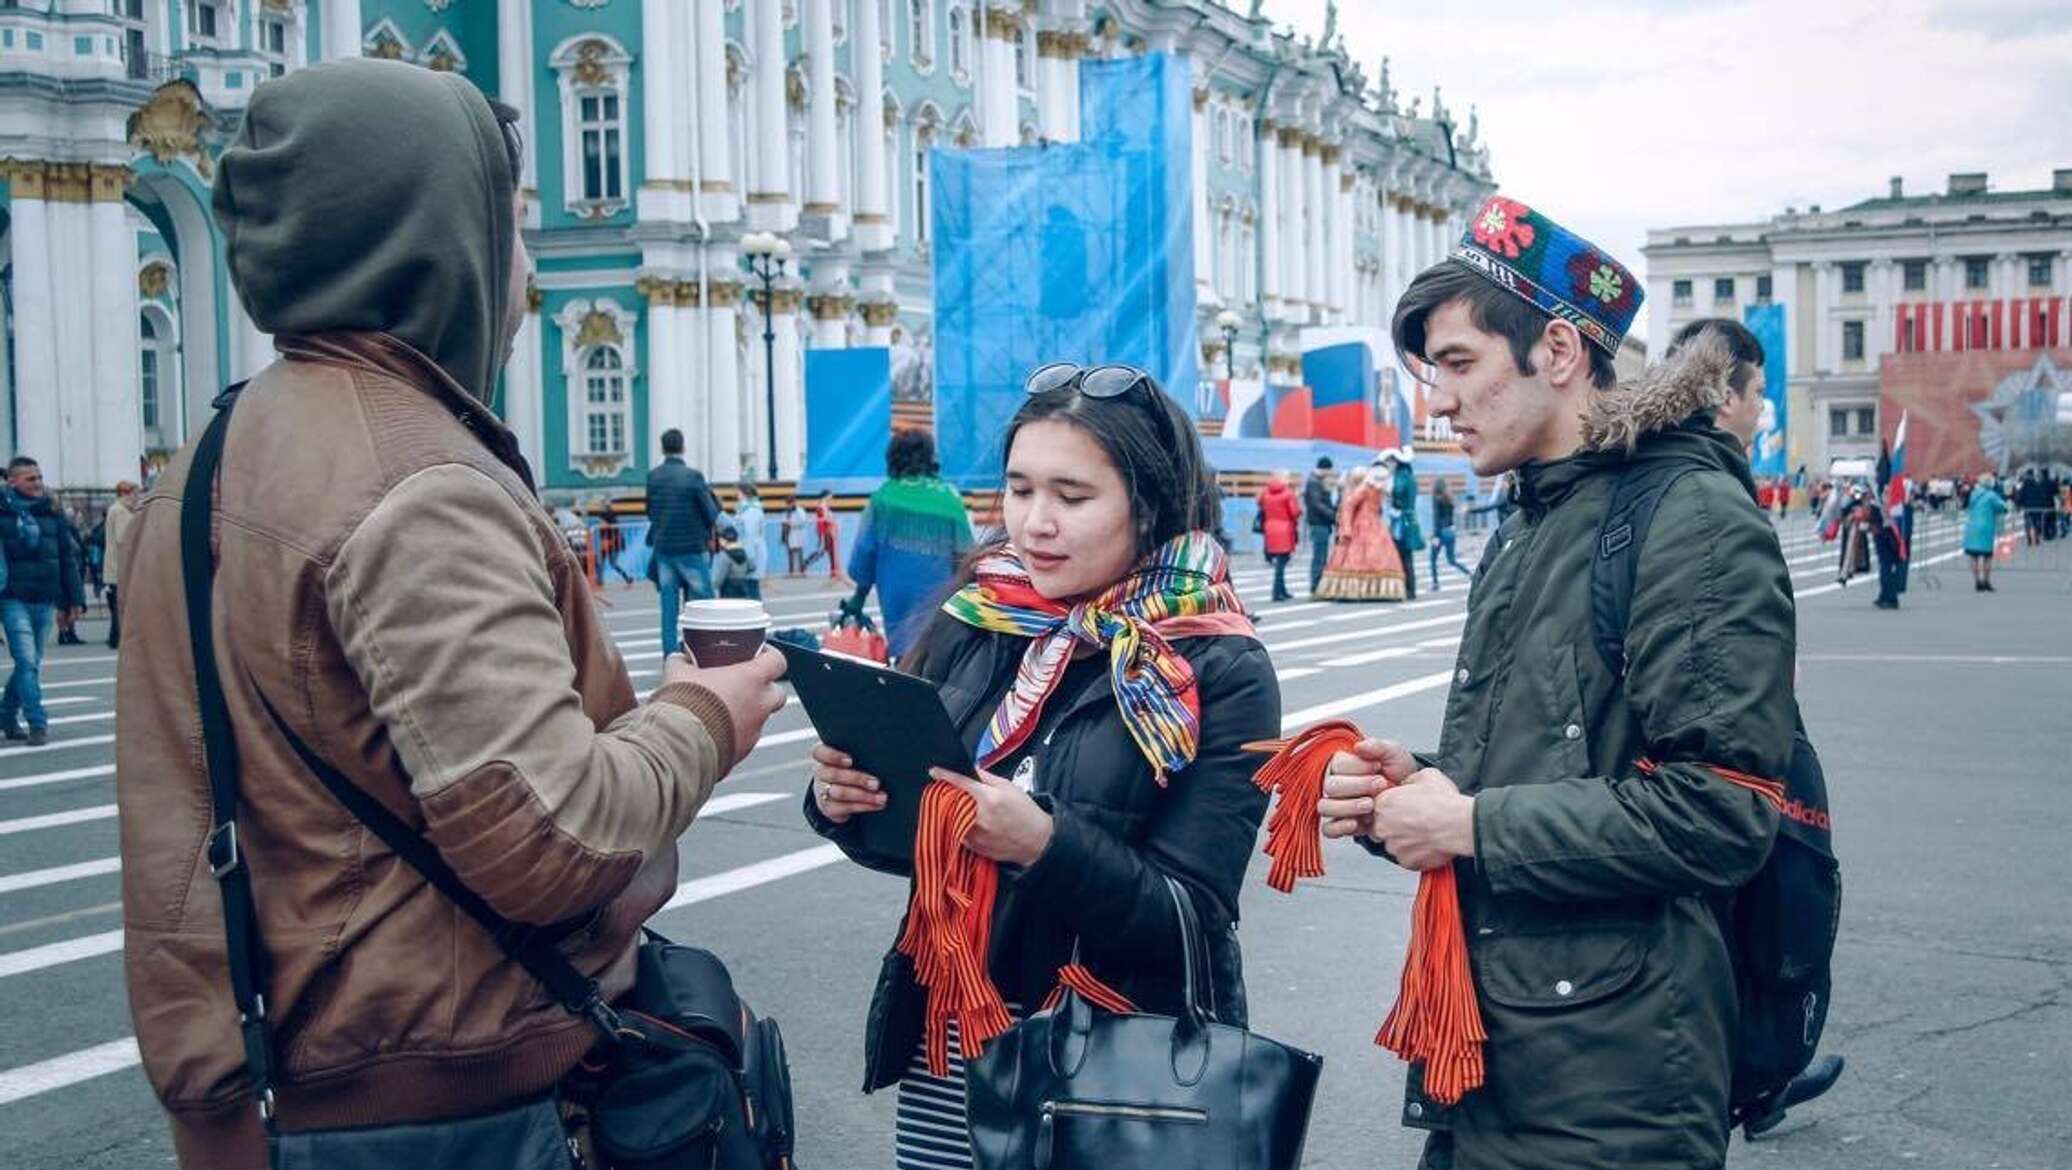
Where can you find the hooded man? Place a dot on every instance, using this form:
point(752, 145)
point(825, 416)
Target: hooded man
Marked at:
point(389, 594)
point(1602, 979)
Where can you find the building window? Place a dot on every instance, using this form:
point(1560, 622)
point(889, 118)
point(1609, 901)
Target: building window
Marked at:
point(147, 371)
point(604, 402)
point(1852, 341)
point(924, 137)
point(1680, 294)
point(921, 34)
point(1025, 59)
point(1763, 285)
point(596, 168)
point(1723, 290)
point(1914, 276)
point(2039, 272)
point(1838, 424)
point(1975, 268)
point(1247, 271)
point(597, 359)
point(1866, 421)
point(1852, 277)
point(201, 19)
point(960, 52)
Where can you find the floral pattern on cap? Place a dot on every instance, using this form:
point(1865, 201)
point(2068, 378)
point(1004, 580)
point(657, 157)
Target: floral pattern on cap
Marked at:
point(1559, 272)
point(1503, 225)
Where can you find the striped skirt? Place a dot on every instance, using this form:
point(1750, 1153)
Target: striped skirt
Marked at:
point(931, 1131)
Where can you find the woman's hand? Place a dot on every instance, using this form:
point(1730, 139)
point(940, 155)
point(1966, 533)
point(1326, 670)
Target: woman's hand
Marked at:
point(839, 790)
point(1011, 826)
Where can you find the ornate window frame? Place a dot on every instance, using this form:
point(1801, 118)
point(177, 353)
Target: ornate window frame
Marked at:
point(958, 17)
point(921, 47)
point(589, 327)
point(443, 54)
point(594, 65)
point(384, 39)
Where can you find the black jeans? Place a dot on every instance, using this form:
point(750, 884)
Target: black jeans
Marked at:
point(1319, 554)
point(1279, 561)
point(1409, 558)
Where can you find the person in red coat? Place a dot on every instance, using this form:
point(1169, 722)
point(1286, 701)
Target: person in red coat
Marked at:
point(1280, 522)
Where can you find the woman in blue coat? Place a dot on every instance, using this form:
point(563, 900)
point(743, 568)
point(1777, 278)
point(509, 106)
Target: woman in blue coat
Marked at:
point(1981, 529)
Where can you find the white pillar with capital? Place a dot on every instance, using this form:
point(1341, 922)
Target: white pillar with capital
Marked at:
point(117, 398)
point(999, 103)
point(873, 218)
point(770, 203)
point(1294, 247)
point(1204, 256)
point(341, 30)
point(791, 385)
point(1269, 218)
point(721, 370)
point(1337, 252)
point(514, 85)
point(1315, 283)
point(824, 186)
point(522, 411)
point(663, 194)
point(667, 393)
point(719, 198)
point(35, 321)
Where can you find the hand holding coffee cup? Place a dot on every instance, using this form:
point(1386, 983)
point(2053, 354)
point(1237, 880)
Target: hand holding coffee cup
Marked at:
point(723, 631)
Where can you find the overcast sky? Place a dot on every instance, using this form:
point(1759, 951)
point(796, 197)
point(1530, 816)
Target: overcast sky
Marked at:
point(1614, 117)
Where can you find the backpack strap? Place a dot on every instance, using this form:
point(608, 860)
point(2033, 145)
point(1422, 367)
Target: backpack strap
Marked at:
point(1620, 537)
point(531, 948)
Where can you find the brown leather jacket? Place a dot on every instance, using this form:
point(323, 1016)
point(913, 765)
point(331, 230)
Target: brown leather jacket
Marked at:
point(389, 585)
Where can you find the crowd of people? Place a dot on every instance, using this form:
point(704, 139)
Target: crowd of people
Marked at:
point(414, 634)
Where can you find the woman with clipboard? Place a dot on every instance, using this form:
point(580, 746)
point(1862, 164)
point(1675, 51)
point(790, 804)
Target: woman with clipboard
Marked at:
point(1100, 667)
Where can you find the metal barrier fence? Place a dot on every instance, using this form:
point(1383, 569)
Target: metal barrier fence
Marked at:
point(2035, 540)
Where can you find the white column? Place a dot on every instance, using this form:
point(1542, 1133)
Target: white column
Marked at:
point(1269, 218)
point(824, 194)
point(1337, 252)
point(666, 391)
point(770, 204)
point(118, 406)
point(1315, 279)
point(999, 101)
point(72, 296)
point(1884, 289)
point(522, 391)
point(1057, 81)
point(35, 321)
point(721, 373)
point(661, 196)
point(791, 385)
point(718, 197)
point(342, 30)
point(1204, 254)
point(873, 221)
point(1294, 249)
point(514, 65)
point(1824, 349)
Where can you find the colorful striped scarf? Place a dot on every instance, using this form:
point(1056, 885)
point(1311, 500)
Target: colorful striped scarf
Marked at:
point(1183, 588)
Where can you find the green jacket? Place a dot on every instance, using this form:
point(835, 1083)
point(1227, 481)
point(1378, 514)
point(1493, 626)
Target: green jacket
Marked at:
point(1604, 983)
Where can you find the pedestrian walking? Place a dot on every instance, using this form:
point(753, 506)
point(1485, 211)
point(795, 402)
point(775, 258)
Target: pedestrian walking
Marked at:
point(1320, 514)
point(1442, 532)
point(914, 533)
point(1401, 485)
point(1280, 524)
point(793, 532)
point(1075, 722)
point(397, 624)
point(1583, 884)
point(1891, 552)
point(116, 526)
point(1365, 565)
point(611, 541)
point(44, 582)
point(753, 530)
point(826, 534)
point(682, 514)
point(1982, 530)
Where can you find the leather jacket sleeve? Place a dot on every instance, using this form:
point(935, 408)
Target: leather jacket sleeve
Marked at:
point(1710, 648)
point(1204, 834)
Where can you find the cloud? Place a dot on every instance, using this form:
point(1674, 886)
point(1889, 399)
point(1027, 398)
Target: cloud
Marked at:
point(1618, 117)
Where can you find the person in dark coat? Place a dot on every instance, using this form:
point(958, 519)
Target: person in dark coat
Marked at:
point(43, 579)
point(681, 514)
point(1586, 879)
point(1085, 835)
point(1320, 514)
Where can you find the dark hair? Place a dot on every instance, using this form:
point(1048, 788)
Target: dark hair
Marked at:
point(1323, 463)
point(20, 461)
point(1439, 489)
point(747, 488)
point(1741, 345)
point(1154, 447)
point(910, 454)
point(672, 442)
point(1492, 309)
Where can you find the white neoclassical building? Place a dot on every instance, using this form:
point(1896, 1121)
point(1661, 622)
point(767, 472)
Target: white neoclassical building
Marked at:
point(659, 133)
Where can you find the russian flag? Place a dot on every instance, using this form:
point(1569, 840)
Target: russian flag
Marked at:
point(1896, 485)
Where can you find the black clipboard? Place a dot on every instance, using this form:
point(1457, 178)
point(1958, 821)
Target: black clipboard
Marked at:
point(893, 725)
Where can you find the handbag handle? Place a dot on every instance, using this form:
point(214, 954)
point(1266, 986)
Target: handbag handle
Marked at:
point(1190, 1045)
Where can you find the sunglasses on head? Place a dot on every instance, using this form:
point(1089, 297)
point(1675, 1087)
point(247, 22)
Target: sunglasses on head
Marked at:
point(1108, 381)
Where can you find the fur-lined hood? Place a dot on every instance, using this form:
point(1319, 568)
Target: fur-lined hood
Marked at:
point(1666, 394)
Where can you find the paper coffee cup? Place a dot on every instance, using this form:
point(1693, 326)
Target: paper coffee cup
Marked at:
point(723, 631)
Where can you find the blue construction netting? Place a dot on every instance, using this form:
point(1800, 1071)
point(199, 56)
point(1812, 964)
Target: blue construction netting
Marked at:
point(1079, 252)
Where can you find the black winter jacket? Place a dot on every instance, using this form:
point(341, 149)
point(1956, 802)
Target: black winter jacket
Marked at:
point(681, 509)
point(43, 570)
point(1318, 509)
point(1117, 834)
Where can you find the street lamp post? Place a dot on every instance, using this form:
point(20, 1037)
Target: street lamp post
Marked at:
point(766, 256)
point(1228, 322)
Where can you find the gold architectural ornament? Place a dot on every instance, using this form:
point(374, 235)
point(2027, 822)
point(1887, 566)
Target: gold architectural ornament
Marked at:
point(1003, 24)
point(155, 278)
point(598, 328)
point(822, 208)
point(659, 290)
point(169, 125)
point(1345, 181)
point(1289, 137)
point(534, 298)
point(829, 306)
point(871, 217)
point(387, 48)
point(686, 293)
point(1201, 97)
point(966, 137)
point(107, 183)
point(1311, 145)
point(600, 466)
point(24, 178)
point(1211, 352)
point(717, 186)
point(1329, 153)
point(733, 71)
point(1053, 43)
point(438, 5)
point(879, 314)
point(590, 68)
point(68, 183)
point(283, 5)
point(785, 300)
point(723, 294)
point(795, 85)
point(441, 61)
point(891, 115)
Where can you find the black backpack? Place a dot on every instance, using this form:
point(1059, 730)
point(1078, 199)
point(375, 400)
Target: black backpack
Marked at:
point(1780, 927)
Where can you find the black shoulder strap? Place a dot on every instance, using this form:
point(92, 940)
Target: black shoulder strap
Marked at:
point(531, 948)
point(1620, 537)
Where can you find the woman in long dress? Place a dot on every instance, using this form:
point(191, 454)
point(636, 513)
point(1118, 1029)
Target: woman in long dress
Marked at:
point(1364, 565)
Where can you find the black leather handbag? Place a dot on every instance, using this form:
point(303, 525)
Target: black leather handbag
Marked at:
point(1072, 1089)
point(683, 1077)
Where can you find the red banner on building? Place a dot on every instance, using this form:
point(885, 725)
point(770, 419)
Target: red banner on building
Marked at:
point(1975, 410)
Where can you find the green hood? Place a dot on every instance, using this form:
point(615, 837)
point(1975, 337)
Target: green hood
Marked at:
point(374, 196)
